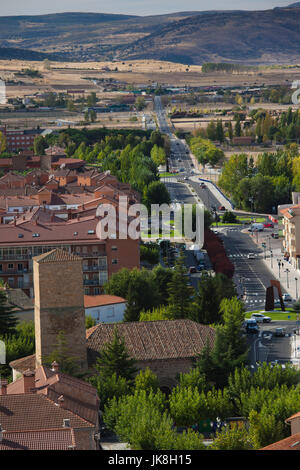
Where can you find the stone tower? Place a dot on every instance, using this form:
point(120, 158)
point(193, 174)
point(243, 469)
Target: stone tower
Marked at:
point(59, 305)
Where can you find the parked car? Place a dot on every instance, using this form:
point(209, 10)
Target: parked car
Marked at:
point(251, 256)
point(200, 267)
point(251, 326)
point(192, 269)
point(202, 185)
point(221, 208)
point(269, 225)
point(275, 235)
point(260, 318)
point(279, 332)
point(287, 297)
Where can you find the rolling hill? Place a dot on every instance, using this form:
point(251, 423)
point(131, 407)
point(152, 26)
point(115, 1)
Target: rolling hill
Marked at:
point(250, 37)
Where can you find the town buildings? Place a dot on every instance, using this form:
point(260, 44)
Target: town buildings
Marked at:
point(39, 213)
point(291, 233)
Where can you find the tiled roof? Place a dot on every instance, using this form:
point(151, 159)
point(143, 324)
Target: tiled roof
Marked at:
point(44, 439)
point(31, 411)
point(56, 256)
point(100, 300)
point(24, 363)
point(295, 416)
point(150, 340)
point(290, 443)
point(80, 397)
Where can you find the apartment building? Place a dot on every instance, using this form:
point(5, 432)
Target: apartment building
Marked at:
point(40, 231)
point(291, 232)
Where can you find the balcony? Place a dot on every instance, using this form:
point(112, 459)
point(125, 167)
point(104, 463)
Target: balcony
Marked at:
point(13, 272)
point(94, 268)
point(15, 257)
point(91, 282)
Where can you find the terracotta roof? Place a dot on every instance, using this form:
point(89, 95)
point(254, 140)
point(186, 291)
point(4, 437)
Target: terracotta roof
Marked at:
point(80, 397)
point(33, 411)
point(24, 363)
point(150, 340)
point(100, 300)
point(290, 443)
point(56, 256)
point(44, 439)
point(295, 416)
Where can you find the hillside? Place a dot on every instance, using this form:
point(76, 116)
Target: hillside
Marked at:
point(250, 37)
point(271, 36)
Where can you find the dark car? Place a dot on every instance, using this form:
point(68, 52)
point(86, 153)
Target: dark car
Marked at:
point(251, 326)
point(192, 269)
point(279, 332)
point(221, 208)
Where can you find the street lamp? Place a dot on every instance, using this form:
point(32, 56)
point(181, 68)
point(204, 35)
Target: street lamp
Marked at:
point(279, 264)
point(296, 280)
point(271, 255)
point(287, 277)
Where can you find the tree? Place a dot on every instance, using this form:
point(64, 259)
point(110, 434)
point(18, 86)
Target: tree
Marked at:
point(230, 348)
point(140, 103)
point(146, 380)
point(109, 386)
point(114, 359)
point(2, 142)
point(179, 291)
point(39, 145)
point(220, 131)
point(8, 321)
point(156, 193)
point(232, 439)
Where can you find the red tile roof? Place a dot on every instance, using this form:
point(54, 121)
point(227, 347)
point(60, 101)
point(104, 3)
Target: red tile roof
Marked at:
point(31, 411)
point(290, 443)
point(154, 340)
point(100, 300)
point(44, 439)
point(80, 397)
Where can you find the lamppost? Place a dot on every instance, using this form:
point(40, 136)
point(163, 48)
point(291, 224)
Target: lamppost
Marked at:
point(264, 247)
point(287, 277)
point(271, 255)
point(279, 264)
point(296, 280)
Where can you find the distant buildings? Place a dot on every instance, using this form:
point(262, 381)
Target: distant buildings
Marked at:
point(39, 214)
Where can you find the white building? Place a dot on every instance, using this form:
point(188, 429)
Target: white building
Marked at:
point(105, 308)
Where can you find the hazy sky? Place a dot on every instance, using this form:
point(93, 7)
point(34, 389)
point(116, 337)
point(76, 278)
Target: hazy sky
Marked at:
point(133, 7)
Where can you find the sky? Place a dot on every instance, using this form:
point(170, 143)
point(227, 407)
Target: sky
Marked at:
point(132, 7)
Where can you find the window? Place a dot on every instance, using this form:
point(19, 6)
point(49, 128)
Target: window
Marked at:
point(10, 266)
point(20, 267)
point(114, 248)
point(114, 261)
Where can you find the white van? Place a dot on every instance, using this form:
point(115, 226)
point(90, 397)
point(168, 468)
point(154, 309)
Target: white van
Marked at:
point(257, 227)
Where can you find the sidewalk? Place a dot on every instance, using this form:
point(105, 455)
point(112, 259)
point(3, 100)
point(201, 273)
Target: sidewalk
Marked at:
point(289, 280)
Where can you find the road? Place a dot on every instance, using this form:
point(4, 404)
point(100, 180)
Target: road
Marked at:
point(252, 276)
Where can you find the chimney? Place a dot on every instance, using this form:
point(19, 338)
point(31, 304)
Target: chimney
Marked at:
point(29, 381)
point(3, 387)
point(54, 366)
point(60, 401)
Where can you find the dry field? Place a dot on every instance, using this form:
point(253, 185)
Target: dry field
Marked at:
point(64, 74)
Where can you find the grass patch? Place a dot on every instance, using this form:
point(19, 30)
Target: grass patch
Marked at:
point(276, 315)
